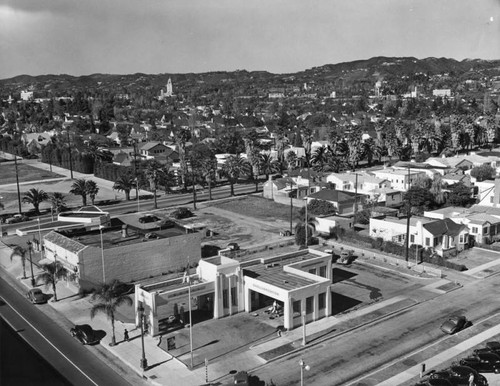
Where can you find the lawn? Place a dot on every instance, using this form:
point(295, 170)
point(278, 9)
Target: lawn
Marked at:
point(25, 172)
point(259, 208)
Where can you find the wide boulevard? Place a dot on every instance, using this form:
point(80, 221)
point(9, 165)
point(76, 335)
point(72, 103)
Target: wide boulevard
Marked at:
point(356, 358)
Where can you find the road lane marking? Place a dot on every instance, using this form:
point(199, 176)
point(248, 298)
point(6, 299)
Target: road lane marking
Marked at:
point(48, 341)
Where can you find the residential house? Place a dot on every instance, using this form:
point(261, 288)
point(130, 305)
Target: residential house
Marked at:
point(159, 152)
point(400, 179)
point(344, 202)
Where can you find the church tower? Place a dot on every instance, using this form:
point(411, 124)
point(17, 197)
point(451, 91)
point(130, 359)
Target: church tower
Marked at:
point(169, 92)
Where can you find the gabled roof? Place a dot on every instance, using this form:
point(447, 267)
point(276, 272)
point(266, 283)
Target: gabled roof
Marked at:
point(151, 145)
point(282, 183)
point(64, 242)
point(444, 227)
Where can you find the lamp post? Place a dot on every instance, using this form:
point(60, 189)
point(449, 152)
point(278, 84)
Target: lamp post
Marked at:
point(102, 255)
point(304, 328)
point(144, 361)
point(70, 159)
point(31, 264)
point(291, 207)
point(305, 224)
point(303, 367)
point(137, 194)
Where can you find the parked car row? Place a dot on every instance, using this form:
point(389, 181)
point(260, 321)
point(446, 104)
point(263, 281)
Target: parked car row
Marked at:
point(468, 369)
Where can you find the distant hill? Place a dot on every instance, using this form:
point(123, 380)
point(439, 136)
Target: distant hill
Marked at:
point(360, 70)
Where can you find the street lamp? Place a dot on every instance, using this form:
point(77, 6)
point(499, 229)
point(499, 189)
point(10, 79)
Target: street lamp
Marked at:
point(31, 264)
point(303, 367)
point(17, 183)
point(40, 237)
point(102, 255)
point(144, 361)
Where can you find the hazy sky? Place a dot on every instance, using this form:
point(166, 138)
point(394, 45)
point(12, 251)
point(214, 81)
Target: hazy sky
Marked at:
point(179, 36)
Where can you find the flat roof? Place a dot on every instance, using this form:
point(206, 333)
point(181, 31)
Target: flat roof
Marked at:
point(273, 273)
point(112, 237)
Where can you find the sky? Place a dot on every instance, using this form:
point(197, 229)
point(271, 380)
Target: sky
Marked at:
point(280, 36)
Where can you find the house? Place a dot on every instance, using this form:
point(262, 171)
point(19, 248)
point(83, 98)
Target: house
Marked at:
point(400, 179)
point(444, 237)
point(35, 141)
point(344, 202)
point(324, 224)
point(159, 152)
point(281, 190)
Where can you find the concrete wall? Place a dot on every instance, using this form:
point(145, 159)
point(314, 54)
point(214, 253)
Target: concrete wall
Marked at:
point(139, 261)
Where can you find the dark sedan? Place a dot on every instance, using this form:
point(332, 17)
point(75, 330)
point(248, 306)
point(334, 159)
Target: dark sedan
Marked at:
point(493, 347)
point(459, 375)
point(454, 324)
point(483, 362)
point(85, 334)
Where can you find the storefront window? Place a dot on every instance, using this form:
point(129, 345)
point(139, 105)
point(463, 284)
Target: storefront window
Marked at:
point(225, 302)
point(309, 305)
point(322, 271)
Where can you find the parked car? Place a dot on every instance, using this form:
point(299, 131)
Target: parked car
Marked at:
point(490, 347)
point(345, 257)
point(36, 296)
point(454, 324)
point(148, 218)
point(17, 218)
point(459, 375)
point(483, 362)
point(85, 334)
point(233, 246)
point(434, 382)
point(241, 378)
point(151, 236)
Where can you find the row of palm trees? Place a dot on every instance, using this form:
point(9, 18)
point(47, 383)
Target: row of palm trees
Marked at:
point(80, 187)
point(107, 297)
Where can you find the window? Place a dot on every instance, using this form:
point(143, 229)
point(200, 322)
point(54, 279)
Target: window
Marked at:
point(412, 238)
point(485, 230)
point(225, 302)
point(322, 271)
point(461, 239)
point(309, 305)
point(322, 301)
point(474, 229)
point(313, 271)
point(491, 200)
point(427, 242)
point(234, 296)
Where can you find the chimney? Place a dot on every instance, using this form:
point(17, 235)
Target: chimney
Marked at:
point(124, 230)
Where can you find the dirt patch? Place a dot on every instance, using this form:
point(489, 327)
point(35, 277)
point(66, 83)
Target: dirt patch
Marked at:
point(25, 173)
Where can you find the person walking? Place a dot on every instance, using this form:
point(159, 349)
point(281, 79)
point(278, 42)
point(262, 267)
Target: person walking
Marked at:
point(125, 335)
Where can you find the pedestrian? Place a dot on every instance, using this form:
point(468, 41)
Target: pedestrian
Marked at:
point(471, 380)
point(125, 335)
point(279, 331)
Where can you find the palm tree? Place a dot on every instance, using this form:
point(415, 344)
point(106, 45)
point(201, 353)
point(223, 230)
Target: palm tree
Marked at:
point(268, 165)
point(233, 168)
point(53, 272)
point(153, 173)
point(58, 202)
point(182, 136)
point(125, 183)
point(108, 298)
point(79, 188)
point(320, 157)
point(208, 168)
point(21, 252)
point(92, 190)
point(35, 197)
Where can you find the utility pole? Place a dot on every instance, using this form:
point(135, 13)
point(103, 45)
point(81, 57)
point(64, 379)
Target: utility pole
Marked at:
point(291, 206)
point(70, 158)
point(355, 199)
point(408, 214)
point(17, 183)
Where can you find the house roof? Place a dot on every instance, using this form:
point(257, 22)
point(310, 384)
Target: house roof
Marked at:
point(444, 227)
point(334, 195)
point(282, 183)
point(64, 242)
point(150, 145)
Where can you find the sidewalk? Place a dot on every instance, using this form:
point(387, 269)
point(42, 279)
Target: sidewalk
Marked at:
point(164, 369)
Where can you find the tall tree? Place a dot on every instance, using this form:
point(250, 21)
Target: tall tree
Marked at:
point(58, 202)
point(92, 190)
point(182, 136)
point(125, 183)
point(268, 165)
point(35, 197)
point(234, 167)
point(108, 297)
point(20, 252)
point(79, 188)
point(53, 273)
point(153, 173)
